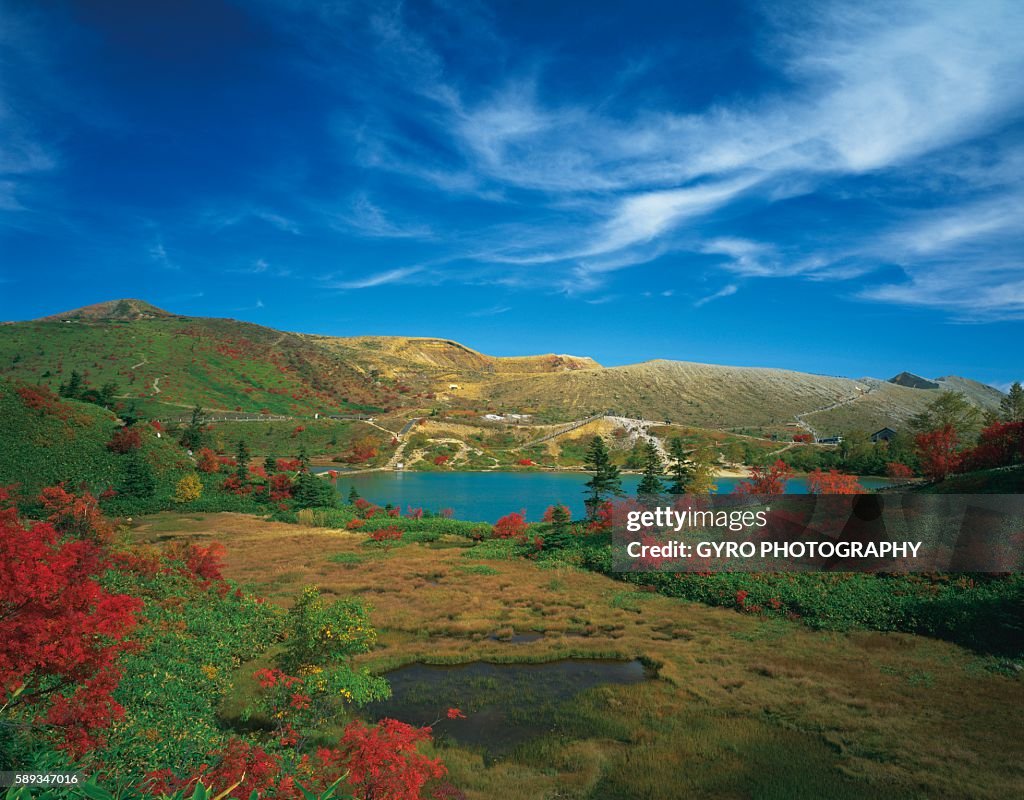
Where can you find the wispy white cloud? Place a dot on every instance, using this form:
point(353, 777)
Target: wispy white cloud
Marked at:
point(725, 291)
point(376, 279)
point(489, 312)
point(225, 219)
point(159, 256)
point(369, 219)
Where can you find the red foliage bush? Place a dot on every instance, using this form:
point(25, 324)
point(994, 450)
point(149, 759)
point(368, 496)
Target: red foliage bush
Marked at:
point(833, 482)
point(391, 533)
point(39, 398)
point(439, 460)
point(76, 515)
point(602, 520)
point(61, 633)
point(281, 487)
point(999, 445)
point(207, 461)
point(898, 472)
point(125, 440)
point(937, 451)
point(526, 462)
point(511, 526)
point(235, 485)
point(766, 480)
point(382, 760)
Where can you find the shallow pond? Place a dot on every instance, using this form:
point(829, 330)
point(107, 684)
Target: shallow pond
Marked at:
point(505, 704)
point(487, 496)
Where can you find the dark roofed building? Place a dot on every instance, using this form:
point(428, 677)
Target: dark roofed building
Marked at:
point(884, 435)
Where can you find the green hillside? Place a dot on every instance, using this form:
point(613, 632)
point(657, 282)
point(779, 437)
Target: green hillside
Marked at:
point(167, 364)
point(47, 441)
point(162, 365)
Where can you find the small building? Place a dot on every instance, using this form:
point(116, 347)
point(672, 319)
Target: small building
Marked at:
point(884, 435)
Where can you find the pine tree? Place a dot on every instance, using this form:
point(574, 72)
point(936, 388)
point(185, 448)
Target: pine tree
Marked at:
point(194, 437)
point(650, 483)
point(560, 527)
point(270, 465)
point(353, 495)
point(137, 478)
point(73, 388)
point(242, 459)
point(680, 470)
point(313, 492)
point(605, 481)
point(1011, 407)
point(303, 459)
point(559, 519)
point(107, 395)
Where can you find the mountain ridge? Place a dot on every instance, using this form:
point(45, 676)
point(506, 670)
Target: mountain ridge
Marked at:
point(169, 359)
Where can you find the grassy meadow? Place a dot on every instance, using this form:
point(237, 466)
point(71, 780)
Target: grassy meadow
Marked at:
point(742, 706)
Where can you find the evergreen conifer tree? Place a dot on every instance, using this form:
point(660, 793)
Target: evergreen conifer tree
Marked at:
point(650, 483)
point(605, 480)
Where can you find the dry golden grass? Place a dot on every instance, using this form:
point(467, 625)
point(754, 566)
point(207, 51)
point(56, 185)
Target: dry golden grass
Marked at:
point(769, 703)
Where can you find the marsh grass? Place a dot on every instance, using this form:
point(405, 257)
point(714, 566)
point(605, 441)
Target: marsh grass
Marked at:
point(745, 706)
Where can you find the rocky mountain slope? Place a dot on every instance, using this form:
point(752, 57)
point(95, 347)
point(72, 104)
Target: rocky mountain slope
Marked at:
point(173, 361)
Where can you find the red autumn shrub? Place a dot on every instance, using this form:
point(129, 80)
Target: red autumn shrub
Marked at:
point(526, 462)
point(937, 451)
point(602, 520)
point(766, 480)
point(76, 515)
point(205, 564)
point(61, 633)
point(805, 438)
point(833, 482)
point(1001, 444)
point(233, 484)
point(207, 461)
point(898, 472)
point(125, 440)
point(382, 760)
point(258, 771)
point(439, 460)
point(511, 526)
point(281, 487)
point(391, 533)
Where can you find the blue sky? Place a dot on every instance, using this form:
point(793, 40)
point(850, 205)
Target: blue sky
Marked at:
point(834, 188)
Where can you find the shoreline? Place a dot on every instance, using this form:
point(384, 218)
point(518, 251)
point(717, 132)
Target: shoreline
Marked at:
point(721, 472)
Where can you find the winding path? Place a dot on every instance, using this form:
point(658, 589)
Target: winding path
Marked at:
point(838, 404)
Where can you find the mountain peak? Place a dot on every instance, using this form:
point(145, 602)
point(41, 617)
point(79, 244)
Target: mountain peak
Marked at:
point(121, 310)
point(913, 381)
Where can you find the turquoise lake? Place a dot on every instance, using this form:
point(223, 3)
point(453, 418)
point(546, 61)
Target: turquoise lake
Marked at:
point(487, 496)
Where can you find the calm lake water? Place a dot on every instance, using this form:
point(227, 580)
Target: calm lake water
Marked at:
point(487, 496)
point(505, 704)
